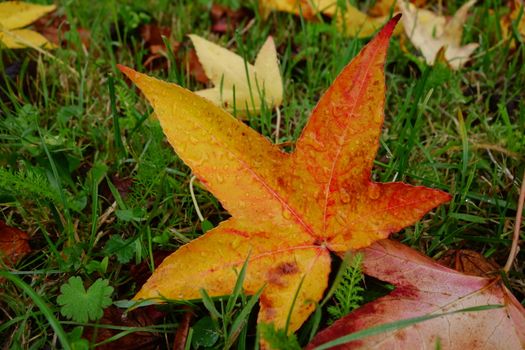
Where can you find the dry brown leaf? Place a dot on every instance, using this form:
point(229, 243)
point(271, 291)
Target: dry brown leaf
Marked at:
point(226, 20)
point(113, 316)
point(431, 33)
point(151, 35)
point(195, 67)
point(469, 262)
point(14, 244)
point(517, 13)
point(55, 27)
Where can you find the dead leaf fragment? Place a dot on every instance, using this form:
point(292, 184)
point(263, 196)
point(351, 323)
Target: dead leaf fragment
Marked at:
point(431, 33)
point(288, 210)
point(151, 35)
point(469, 262)
point(517, 13)
point(226, 20)
point(14, 244)
point(136, 318)
point(55, 28)
point(17, 14)
point(238, 85)
point(423, 287)
point(195, 67)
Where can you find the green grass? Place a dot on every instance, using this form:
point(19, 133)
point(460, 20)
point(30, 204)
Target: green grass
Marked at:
point(69, 141)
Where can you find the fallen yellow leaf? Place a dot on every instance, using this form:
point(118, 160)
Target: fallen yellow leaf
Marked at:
point(385, 7)
point(15, 39)
point(350, 21)
point(431, 33)
point(238, 85)
point(17, 14)
point(354, 23)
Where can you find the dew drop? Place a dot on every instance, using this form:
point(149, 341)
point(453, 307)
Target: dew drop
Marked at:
point(341, 218)
point(286, 214)
point(193, 139)
point(374, 191)
point(344, 195)
point(235, 243)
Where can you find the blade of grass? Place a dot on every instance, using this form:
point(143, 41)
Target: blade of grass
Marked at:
point(53, 322)
point(394, 326)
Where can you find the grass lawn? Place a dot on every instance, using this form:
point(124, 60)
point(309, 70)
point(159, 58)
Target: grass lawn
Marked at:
point(87, 173)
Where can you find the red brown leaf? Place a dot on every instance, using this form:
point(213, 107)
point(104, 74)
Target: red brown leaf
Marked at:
point(424, 287)
point(114, 316)
point(151, 35)
point(226, 20)
point(14, 244)
point(55, 27)
point(469, 262)
point(195, 67)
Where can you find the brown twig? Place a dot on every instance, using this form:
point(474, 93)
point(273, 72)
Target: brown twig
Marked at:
point(182, 332)
point(517, 226)
point(488, 147)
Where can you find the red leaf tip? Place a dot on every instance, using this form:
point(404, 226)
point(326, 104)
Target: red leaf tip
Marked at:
point(130, 73)
point(388, 29)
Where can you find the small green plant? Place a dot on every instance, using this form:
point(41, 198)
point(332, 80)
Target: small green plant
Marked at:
point(81, 305)
point(347, 295)
point(277, 338)
point(231, 322)
point(123, 249)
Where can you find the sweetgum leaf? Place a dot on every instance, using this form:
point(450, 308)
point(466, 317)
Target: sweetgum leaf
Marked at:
point(288, 210)
point(424, 288)
point(81, 305)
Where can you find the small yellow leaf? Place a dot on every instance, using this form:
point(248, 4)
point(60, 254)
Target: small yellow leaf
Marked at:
point(15, 39)
point(430, 33)
point(354, 23)
point(386, 7)
point(18, 14)
point(238, 85)
point(297, 7)
point(350, 21)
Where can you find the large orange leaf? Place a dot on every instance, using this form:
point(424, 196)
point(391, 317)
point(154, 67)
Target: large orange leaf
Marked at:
point(422, 288)
point(288, 210)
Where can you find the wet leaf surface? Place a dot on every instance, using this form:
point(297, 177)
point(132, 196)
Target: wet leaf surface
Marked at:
point(424, 287)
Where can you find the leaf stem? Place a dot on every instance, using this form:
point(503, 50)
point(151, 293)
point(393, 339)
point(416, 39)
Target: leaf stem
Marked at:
point(277, 124)
point(194, 199)
point(517, 225)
